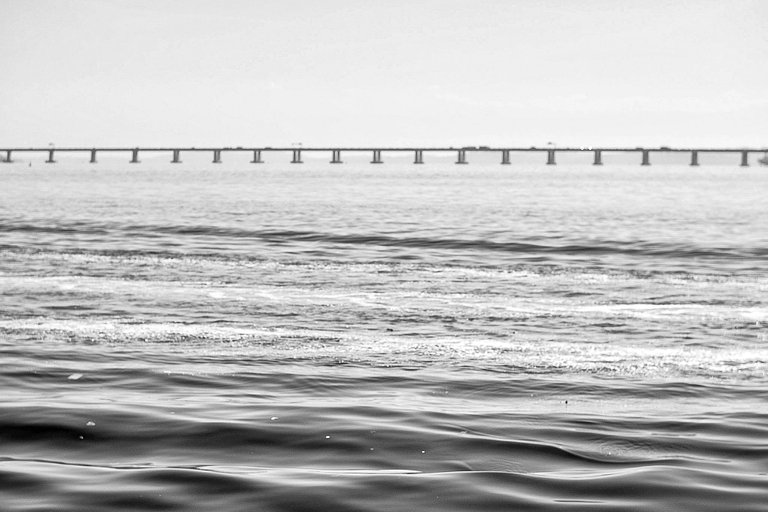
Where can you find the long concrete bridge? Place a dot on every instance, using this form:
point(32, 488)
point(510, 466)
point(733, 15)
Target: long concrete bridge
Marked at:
point(335, 153)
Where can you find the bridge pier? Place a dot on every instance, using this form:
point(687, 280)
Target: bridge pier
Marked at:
point(296, 157)
point(646, 157)
point(50, 157)
point(551, 157)
point(135, 156)
point(8, 159)
point(336, 158)
point(377, 157)
point(176, 157)
point(93, 156)
point(694, 158)
point(462, 157)
point(745, 158)
point(505, 157)
point(418, 156)
point(598, 157)
point(217, 156)
point(257, 157)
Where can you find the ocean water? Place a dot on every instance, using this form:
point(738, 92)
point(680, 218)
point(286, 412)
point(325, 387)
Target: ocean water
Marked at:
point(383, 338)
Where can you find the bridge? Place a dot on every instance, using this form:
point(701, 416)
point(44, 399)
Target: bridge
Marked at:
point(335, 153)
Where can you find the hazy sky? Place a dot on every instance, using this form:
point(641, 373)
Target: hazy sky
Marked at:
point(358, 72)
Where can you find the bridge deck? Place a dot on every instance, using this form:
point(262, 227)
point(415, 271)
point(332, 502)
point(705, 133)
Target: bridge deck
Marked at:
point(418, 152)
point(385, 148)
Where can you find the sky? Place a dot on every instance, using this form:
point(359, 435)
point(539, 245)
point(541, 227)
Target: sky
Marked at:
point(384, 72)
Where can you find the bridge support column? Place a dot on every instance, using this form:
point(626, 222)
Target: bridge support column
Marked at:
point(646, 157)
point(296, 157)
point(551, 157)
point(598, 157)
point(8, 159)
point(418, 156)
point(50, 157)
point(336, 158)
point(745, 158)
point(93, 156)
point(505, 157)
point(135, 156)
point(217, 156)
point(694, 158)
point(176, 157)
point(461, 157)
point(377, 157)
point(257, 157)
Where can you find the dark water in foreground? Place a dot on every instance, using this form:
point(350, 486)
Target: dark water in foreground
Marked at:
point(383, 339)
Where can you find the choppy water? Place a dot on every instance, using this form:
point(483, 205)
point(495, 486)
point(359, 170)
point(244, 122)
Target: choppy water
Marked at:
point(376, 338)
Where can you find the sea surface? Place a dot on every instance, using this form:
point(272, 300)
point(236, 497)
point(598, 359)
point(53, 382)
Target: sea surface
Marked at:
point(383, 338)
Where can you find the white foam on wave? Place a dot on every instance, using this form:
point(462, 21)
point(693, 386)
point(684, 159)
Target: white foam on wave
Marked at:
point(383, 349)
point(129, 331)
point(512, 273)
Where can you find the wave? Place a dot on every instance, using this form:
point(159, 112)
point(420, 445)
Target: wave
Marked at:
point(513, 353)
point(200, 487)
point(374, 458)
point(541, 245)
